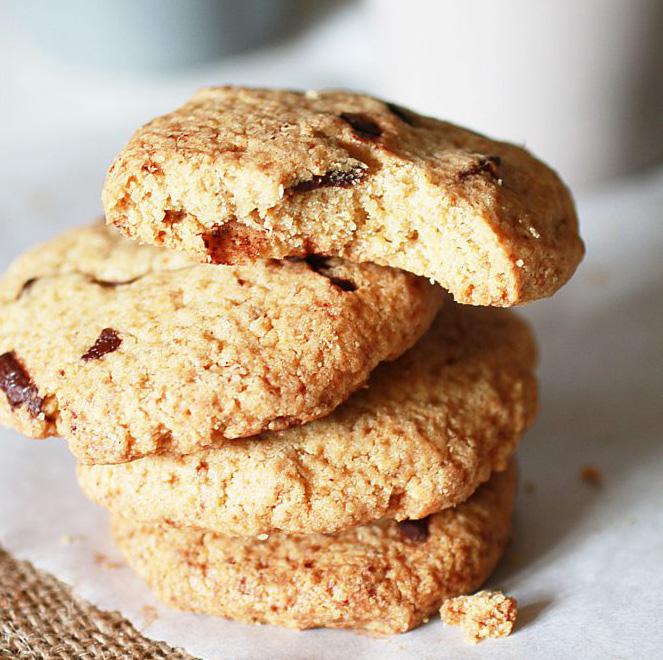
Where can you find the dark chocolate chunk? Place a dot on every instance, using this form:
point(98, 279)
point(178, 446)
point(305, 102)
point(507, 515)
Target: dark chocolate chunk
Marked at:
point(107, 342)
point(489, 165)
point(331, 179)
point(401, 113)
point(415, 530)
point(17, 385)
point(363, 126)
point(320, 265)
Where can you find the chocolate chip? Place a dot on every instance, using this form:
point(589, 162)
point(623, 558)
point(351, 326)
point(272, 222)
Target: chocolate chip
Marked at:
point(320, 265)
point(363, 126)
point(488, 164)
point(107, 342)
point(331, 179)
point(415, 530)
point(401, 113)
point(17, 385)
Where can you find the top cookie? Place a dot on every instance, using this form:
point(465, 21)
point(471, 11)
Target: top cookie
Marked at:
point(237, 174)
point(129, 351)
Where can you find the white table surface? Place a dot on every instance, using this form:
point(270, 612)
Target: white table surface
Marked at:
point(585, 564)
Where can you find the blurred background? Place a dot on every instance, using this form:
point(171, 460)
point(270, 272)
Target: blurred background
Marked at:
point(579, 83)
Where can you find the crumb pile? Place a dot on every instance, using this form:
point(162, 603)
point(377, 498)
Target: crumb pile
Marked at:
point(281, 363)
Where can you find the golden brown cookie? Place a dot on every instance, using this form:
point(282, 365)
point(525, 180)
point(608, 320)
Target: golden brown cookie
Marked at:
point(128, 351)
point(425, 433)
point(386, 577)
point(237, 174)
point(481, 615)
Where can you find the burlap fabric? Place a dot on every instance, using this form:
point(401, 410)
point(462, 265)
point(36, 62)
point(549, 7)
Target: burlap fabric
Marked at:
point(41, 618)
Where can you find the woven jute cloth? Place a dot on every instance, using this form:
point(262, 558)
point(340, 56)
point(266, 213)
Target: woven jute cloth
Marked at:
point(41, 618)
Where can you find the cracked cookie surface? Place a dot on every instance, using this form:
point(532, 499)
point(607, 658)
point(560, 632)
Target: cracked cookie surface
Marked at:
point(426, 432)
point(128, 350)
point(238, 173)
point(375, 577)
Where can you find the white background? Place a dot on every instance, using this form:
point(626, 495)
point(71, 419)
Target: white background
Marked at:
point(585, 564)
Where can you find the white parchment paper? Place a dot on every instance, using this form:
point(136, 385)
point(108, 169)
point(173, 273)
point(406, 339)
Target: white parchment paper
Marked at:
point(585, 563)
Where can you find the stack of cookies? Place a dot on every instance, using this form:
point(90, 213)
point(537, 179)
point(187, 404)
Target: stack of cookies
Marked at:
point(294, 389)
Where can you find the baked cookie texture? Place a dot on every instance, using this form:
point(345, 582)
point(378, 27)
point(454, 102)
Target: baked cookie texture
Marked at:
point(385, 577)
point(128, 351)
point(425, 433)
point(482, 615)
point(236, 174)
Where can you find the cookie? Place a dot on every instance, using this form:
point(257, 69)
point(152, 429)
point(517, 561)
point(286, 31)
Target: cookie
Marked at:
point(481, 615)
point(128, 351)
point(386, 577)
point(237, 174)
point(423, 435)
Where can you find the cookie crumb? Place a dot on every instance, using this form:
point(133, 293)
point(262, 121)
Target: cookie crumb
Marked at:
point(597, 276)
point(591, 475)
point(485, 614)
point(69, 539)
point(262, 537)
point(101, 560)
point(149, 614)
